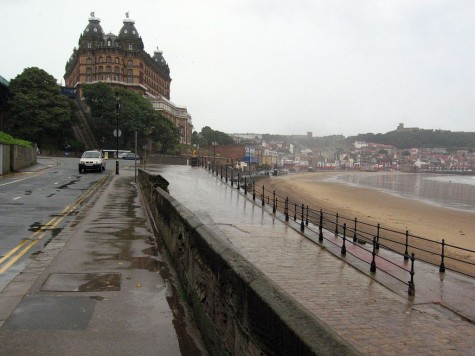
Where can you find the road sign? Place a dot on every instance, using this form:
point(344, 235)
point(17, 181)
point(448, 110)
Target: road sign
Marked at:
point(115, 133)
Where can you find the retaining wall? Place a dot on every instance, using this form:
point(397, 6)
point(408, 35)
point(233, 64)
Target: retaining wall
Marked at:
point(21, 157)
point(238, 310)
point(14, 158)
point(4, 159)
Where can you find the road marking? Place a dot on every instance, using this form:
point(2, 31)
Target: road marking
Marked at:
point(16, 198)
point(18, 251)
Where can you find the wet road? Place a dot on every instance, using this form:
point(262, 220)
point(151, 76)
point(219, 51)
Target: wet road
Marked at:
point(102, 286)
point(36, 204)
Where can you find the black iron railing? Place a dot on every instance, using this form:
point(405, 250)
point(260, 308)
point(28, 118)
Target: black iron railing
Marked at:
point(354, 237)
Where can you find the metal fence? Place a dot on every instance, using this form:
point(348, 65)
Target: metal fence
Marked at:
point(359, 239)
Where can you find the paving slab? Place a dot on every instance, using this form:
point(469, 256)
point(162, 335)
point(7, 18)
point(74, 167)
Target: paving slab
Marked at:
point(373, 317)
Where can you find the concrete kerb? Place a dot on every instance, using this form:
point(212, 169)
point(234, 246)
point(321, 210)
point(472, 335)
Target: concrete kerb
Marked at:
point(239, 292)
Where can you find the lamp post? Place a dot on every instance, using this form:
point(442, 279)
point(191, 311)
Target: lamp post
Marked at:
point(118, 108)
point(214, 152)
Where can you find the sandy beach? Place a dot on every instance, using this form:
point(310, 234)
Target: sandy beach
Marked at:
point(373, 206)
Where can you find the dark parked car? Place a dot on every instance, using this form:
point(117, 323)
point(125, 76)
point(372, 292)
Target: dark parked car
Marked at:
point(131, 156)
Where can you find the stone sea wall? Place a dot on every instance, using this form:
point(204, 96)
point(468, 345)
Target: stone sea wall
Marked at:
point(237, 309)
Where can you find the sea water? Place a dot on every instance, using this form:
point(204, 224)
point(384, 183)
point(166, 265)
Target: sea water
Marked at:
point(449, 191)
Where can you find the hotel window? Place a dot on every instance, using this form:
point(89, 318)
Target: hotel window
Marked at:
point(89, 45)
point(100, 60)
point(89, 61)
point(130, 47)
point(117, 60)
point(109, 43)
point(88, 75)
point(130, 63)
point(108, 59)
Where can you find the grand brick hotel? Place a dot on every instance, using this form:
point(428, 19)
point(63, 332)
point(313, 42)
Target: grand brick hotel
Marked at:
point(122, 61)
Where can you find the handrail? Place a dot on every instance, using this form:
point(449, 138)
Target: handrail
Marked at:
point(341, 230)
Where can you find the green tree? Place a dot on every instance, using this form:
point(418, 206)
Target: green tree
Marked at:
point(136, 114)
point(38, 112)
point(210, 135)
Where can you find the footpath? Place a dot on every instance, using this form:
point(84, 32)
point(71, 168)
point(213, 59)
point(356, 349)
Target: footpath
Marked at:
point(100, 287)
point(376, 320)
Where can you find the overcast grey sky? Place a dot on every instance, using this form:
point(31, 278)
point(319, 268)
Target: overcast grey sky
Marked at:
point(279, 66)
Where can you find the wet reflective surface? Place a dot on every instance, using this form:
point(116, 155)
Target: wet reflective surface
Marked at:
point(457, 192)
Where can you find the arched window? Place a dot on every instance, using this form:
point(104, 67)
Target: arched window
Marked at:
point(101, 60)
point(117, 60)
point(89, 61)
point(108, 59)
point(109, 43)
point(130, 63)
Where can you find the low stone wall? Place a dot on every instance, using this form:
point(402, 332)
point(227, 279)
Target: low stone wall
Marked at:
point(238, 310)
point(21, 157)
point(164, 159)
point(4, 159)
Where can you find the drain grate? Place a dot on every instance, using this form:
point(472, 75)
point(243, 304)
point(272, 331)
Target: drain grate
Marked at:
point(82, 282)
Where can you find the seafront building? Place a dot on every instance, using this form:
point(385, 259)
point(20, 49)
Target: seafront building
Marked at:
point(121, 61)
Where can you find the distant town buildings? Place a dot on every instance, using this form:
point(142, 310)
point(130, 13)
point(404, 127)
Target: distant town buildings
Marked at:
point(121, 61)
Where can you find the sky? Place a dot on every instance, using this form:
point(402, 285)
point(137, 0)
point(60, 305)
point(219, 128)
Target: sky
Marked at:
point(339, 67)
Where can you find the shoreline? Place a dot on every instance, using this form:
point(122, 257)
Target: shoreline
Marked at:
point(372, 205)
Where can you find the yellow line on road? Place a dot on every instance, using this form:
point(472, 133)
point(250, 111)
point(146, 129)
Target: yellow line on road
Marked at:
point(51, 224)
point(12, 251)
point(22, 252)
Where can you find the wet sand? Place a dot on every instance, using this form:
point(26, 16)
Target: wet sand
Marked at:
point(373, 206)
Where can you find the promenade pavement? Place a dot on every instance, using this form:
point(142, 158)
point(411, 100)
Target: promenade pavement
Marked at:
point(100, 287)
point(375, 318)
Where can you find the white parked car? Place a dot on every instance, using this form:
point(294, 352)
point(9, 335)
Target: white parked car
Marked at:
point(92, 161)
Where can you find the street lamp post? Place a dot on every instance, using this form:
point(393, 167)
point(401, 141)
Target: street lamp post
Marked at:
point(118, 108)
point(214, 152)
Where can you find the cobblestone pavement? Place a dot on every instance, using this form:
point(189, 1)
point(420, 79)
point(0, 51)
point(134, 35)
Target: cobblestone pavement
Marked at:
point(376, 320)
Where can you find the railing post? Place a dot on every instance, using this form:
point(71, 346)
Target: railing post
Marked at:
point(406, 254)
point(286, 209)
point(226, 173)
point(343, 246)
point(336, 225)
point(263, 196)
point(232, 178)
point(354, 235)
point(320, 227)
point(442, 264)
point(377, 238)
point(221, 171)
point(254, 191)
point(295, 212)
point(245, 185)
point(239, 181)
point(412, 287)
point(274, 207)
point(302, 224)
point(306, 219)
point(373, 262)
